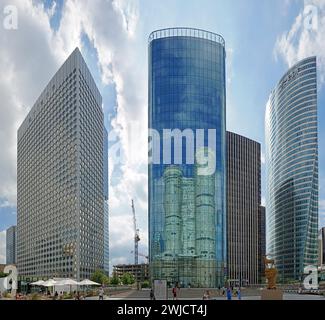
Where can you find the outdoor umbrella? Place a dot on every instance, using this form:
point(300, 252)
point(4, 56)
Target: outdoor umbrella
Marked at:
point(88, 282)
point(38, 283)
point(49, 283)
point(67, 282)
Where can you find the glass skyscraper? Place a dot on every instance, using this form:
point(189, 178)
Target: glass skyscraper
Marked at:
point(187, 210)
point(292, 170)
point(62, 228)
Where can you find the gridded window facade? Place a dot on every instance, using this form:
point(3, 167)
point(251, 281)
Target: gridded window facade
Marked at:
point(321, 247)
point(243, 209)
point(11, 245)
point(261, 243)
point(60, 178)
point(292, 170)
point(187, 236)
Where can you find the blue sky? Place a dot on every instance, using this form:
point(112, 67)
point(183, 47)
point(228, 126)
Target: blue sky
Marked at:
point(251, 29)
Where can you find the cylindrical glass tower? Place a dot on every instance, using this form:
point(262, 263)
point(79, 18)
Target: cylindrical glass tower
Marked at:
point(187, 212)
point(292, 170)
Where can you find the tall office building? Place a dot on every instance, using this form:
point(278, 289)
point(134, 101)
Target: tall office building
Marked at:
point(11, 245)
point(321, 247)
point(187, 209)
point(243, 209)
point(61, 181)
point(261, 243)
point(106, 207)
point(292, 170)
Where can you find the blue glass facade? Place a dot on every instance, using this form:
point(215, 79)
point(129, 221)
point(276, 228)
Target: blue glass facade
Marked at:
point(292, 170)
point(187, 213)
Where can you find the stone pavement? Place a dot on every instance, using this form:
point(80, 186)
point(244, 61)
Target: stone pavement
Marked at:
point(196, 294)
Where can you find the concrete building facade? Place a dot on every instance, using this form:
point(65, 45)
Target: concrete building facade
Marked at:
point(60, 178)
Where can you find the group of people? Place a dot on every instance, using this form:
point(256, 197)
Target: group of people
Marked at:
point(175, 292)
point(76, 295)
point(230, 292)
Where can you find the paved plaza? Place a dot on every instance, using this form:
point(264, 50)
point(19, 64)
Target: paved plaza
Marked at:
point(197, 294)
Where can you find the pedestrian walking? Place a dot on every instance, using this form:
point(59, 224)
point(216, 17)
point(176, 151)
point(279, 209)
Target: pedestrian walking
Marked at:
point(152, 295)
point(101, 293)
point(206, 295)
point(174, 292)
point(229, 294)
point(239, 294)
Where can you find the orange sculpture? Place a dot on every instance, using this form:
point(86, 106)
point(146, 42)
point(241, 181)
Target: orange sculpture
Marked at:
point(270, 273)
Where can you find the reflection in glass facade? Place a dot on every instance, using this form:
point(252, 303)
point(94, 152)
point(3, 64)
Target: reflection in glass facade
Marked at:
point(187, 240)
point(292, 170)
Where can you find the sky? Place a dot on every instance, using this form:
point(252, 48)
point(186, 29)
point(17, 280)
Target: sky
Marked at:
point(263, 39)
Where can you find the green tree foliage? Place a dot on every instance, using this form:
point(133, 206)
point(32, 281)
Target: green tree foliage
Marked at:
point(100, 277)
point(115, 280)
point(128, 278)
point(145, 284)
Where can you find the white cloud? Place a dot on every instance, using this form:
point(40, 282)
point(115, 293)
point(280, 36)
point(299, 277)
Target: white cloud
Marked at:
point(262, 157)
point(2, 247)
point(24, 53)
point(322, 207)
point(32, 54)
point(305, 38)
point(115, 45)
point(229, 62)
point(321, 213)
point(4, 204)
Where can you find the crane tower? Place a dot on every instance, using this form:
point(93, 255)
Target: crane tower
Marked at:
point(136, 236)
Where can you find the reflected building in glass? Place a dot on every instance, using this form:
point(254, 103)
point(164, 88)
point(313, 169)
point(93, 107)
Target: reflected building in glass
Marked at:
point(292, 170)
point(187, 213)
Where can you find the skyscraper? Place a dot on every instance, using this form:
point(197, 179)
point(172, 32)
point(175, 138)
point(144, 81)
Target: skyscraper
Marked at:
point(187, 209)
point(321, 247)
point(106, 210)
point(243, 209)
point(11, 245)
point(61, 181)
point(261, 243)
point(292, 170)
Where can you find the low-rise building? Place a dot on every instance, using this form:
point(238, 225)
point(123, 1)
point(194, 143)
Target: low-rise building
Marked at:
point(139, 271)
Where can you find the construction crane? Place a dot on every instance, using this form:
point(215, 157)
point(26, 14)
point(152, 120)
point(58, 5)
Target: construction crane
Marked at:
point(141, 255)
point(136, 236)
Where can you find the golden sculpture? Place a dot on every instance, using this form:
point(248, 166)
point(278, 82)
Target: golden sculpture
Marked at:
point(270, 273)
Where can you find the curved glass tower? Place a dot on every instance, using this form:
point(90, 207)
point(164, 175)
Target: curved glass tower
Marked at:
point(292, 170)
point(187, 95)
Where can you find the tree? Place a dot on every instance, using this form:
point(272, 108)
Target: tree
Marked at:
point(115, 280)
point(128, 278)
point(100, 277)
point(145, 284)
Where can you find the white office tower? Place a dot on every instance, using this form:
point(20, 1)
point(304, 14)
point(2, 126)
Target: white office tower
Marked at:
point(61, 181)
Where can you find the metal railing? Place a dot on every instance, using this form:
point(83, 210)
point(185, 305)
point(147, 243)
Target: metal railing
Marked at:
point(186, 32)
